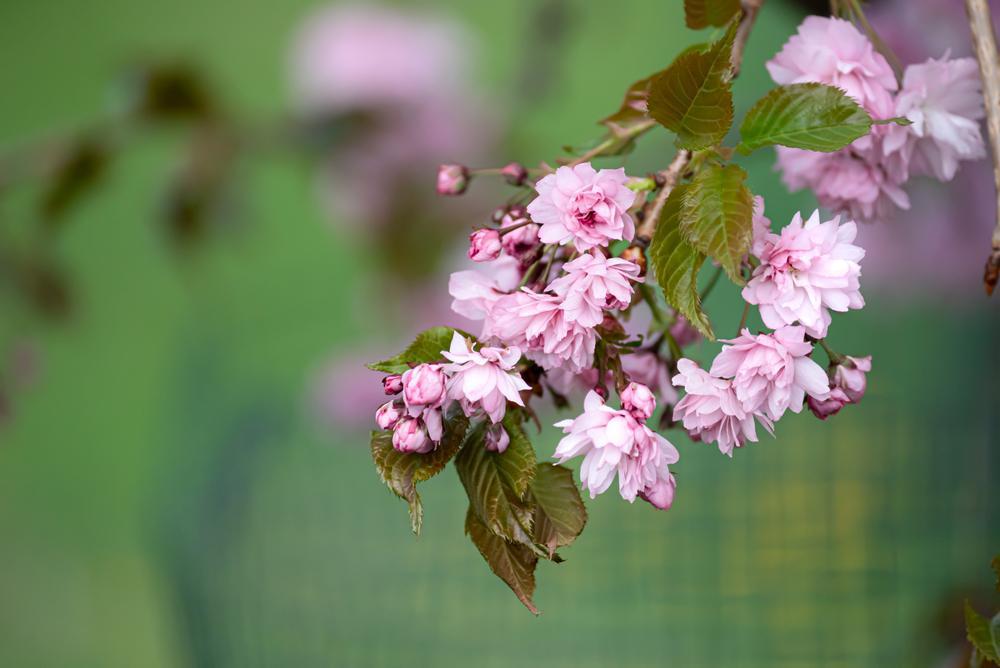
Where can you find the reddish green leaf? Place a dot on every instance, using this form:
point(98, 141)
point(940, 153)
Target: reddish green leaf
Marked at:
point(513, 563)
point(425, 348)
point(717, 215)
point(700, 14)
point(559, 511)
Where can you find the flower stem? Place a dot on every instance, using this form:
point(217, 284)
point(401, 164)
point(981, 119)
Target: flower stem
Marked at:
point(711, 283)
point(882, 47)
point(835, 357)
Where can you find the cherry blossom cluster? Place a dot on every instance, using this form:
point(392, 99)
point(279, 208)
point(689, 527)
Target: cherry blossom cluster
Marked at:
point(940, 98)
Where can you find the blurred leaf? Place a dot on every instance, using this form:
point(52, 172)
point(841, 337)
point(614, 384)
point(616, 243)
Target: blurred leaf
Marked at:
point(166, 91)
point(517, 463)
point(984, 634)
point(402, 471)
point(42, 284)
point(485, 477)
point(810, 116)
point(700, 14)
point(633, 108)
point(78, 170)
point(196, 191)
point(425, 348)
point(676, 263)
point(559, 511)
point(514, 564)
point(692, 97)
point(716, 216)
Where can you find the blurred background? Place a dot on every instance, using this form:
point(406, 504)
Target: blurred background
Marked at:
point(213, 213)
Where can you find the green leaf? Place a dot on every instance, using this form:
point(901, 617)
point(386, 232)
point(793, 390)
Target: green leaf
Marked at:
point(633, 109)
point(559, 511)
point(984, 634)
point(488, 479)
point(517, 464)
point(700, 14)
point(514, 564)
point(692, 98)
point(717, 215)
point(676, 264)
point(810, 116)
point(425, 348)
point(402, 471)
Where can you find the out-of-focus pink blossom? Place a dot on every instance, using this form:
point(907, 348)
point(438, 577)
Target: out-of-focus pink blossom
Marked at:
point(388, 415)
point(851, 377)
point(592, 283)
point(484, 245)
point(849, 181)
point(584, 206)
point(452, 179)
point(515, 173)
point(661, 493)
point(522, 241)
point(423, 386)
point(771, 372)
point(806, 270)
point(638, 400)
point(537, 323)
point(824, 408)
point(684, 332)
point(710, 410)
point(410, 436)
point(483, 379)
point(613, 442)
point(832, 51)
point(943, 102)
point(647, 368)
point(497, 439)
point(392, 384)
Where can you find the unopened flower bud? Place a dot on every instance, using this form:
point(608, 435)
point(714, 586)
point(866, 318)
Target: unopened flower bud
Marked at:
point(497, 438)
point(409, 436)
point(515, 173)
point(661, 493)
point(636, 255)
point(824, 408)
point(424, 385)
point(851, 377)
point(452, 179)
point(639, 401)
point(484, 245)
point(388, 415)
point(521, 241)
point(392, 384)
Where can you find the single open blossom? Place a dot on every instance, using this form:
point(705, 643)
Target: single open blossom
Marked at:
point(483, 379)
point(806, 270)
point(638, 400)
point(584, 206)
point(497, 439)
point(851, 377)
point(592, 283)
point(388, 415)
point(538, 323)
point(409, 435)
point(484, 245)
point(612, 443)
point(710, 410)
point(521, 242)
point(858, 183)
point(423, 386)
point(824, 408)
point(833, 52)
point(943, 102)
point(392, 384)
point(771, 372)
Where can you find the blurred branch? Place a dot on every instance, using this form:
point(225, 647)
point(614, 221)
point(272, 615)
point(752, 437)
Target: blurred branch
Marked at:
point(985, 45)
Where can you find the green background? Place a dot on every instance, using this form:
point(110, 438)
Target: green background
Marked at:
point(166, 499)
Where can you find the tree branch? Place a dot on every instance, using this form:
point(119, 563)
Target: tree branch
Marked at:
point(985, 45)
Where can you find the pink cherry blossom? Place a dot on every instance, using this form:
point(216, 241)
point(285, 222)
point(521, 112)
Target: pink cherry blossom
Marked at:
point(771, 372)
point(388, 415)
point(833, 52)
point(858, 183)
point(515, 173)
point(483, 379)
point(710, 410)
point(538, 323)
point(582, 205)
point(423, 386)
point(613, 442)
point(942, 100)
point(592, 283)
point(474, 292)
point(648, 368)
point(761, 226)
point(484, 245)
point(638, 400)
point(522, 241)
point(851, 377)
point(824, 408)
point(409, 435)
point(806, 270)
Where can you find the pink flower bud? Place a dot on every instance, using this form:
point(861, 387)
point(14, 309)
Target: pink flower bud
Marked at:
point(639, 401)
point(497, 438)
point(824, 408)
point(661, 493)
point(409, 436)
point(388, 415)
point(684, 332)
point(515, 173)
point(484, 245)
point(392, 384)
point(851, 377)
point(452, 179)
point(424, 385)
point(522, 241)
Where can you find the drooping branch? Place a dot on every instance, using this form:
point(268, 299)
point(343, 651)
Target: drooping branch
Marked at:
point(985, 45)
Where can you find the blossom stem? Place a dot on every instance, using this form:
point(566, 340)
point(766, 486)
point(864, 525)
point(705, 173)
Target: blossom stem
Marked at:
point(612, 141)
point(743, 318)
point(835, 357)
point(984, 43)
point(505, 230)
point(882, 47)
point(711, 283)
point(529, 272)
point(548, 265)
